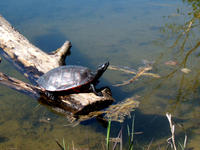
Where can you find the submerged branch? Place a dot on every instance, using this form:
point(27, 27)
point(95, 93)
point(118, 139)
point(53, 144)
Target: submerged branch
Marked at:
point(19, 85)
point(130, 71)
point(142, 72)
point(138, 74)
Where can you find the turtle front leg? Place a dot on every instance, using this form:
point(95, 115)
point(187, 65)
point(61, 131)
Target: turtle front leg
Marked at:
point(92, 88)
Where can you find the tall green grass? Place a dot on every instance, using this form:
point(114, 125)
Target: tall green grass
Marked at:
point(108, 135)
point(131, 134)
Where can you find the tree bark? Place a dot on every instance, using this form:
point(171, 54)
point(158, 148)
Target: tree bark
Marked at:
point(33, 62)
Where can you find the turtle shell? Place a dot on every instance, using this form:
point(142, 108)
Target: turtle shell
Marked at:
point(65, 78)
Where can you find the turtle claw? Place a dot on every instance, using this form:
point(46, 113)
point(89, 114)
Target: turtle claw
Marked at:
point(92, 88)
point(99, 94)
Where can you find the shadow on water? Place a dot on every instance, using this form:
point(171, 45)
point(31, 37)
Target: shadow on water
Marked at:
point(51, 41)
point(153, 126)
point(147, 128)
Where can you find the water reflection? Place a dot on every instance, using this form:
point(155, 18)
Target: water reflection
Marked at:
point(178, 89)
point(184, 48)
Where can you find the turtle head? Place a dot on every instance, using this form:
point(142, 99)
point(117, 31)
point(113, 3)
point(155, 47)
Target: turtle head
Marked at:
point(100, 70)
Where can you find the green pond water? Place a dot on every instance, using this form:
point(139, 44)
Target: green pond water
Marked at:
point(125, 32)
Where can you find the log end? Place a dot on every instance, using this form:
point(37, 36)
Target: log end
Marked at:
point(61, 53)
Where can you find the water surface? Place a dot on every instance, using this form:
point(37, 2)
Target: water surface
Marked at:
point(125, 32)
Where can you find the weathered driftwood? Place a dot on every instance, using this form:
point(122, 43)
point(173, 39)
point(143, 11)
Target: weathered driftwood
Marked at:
point(26, 55)
point(33, 62)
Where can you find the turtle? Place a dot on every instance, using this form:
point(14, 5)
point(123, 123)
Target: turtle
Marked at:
point(71, 78)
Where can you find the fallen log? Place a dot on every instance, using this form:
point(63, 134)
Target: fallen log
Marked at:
point(33, 62)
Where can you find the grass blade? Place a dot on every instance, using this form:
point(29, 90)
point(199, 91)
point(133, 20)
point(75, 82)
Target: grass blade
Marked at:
point(108, 134)
point(182, 148)
point(131, 134)
point(64, 144)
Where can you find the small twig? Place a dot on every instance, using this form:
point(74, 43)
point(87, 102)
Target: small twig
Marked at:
point(172, 127)
point(185, 141)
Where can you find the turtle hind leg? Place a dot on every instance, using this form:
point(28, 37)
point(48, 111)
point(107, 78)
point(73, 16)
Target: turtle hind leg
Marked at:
point(51, 96)
point(92, 88)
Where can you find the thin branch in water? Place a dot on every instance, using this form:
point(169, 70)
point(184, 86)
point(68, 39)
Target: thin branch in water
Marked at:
point(138, 74)
point(132, 71)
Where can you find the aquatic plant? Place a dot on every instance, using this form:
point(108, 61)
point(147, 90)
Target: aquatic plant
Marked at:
point(118, 139)
point(118, 111)
point(131, 134)
point(108, 134)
